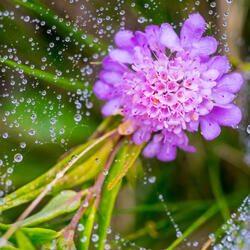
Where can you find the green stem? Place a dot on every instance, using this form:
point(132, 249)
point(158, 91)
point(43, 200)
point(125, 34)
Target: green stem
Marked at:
point(208, 214)
point(61, 82)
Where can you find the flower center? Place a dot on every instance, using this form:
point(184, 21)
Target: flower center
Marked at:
point(162, 92)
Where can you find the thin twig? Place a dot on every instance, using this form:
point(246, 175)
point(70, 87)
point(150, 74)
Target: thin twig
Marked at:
point(95, 192)
point(207, 245)
point(30, 208)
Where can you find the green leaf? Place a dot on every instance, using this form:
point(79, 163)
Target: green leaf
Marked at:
point(87, 220)
point(135, 172)
point(89, 168)
point(40, 236)
point(86, 167)
point(60, 204)
point(23, 241)
point(132, 152)
point(37, 236)
point(62, 244)
point(108, 196)
point(8, 247)
point(61, 82)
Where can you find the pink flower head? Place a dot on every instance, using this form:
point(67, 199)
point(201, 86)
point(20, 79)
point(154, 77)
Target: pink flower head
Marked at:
point(166, 85)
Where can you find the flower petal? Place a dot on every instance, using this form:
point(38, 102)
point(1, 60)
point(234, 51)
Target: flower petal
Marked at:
point(209, 128)
point(205, 46)
point(231, 82)
point(188, 148)
point(222, 97)
point(210, 75)
point(142, 134)
point(111, 77)
point(121, 55)
point(205, 107)
point(103, 91)
point(110, 64)
point(152, 149)
point(219, 63)
point(229, 115)
point(152, 34)
point(169, 38)
point(111, 106)
point(141, 38)
point(192, 29)
point(167, 152)
point(125, 39)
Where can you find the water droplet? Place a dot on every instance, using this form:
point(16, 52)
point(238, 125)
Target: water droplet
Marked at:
point(141, 19)
point(248, 129)
point(18, 157)
point(213, 4)
point(77, 117)
point(26, 19)
point(178, 234)
point(80, 227)
point(195, 244)
point(151, 179)
point(32, 132)
point(94, 237)
point(84, 239)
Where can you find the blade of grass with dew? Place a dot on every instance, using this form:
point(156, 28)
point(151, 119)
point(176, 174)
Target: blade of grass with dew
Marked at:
point(163, 224)
point(87, 169)
point(185, 217)
point(31, 189)
point(34, 188)
point(201, 220)
point(60, 204)
point(109, 195)
point(14, 31)
point(43, 124)
point(53, 19)
point(57, 81)
point(133, 152)
point(135, 173)
point(87, 221)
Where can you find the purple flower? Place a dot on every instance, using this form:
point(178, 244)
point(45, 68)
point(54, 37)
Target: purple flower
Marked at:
point(165, 85)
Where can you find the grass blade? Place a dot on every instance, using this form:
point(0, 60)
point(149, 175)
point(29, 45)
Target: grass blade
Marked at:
point(133, 152)
point(87, 221)
point(52, 19)
point(207, 215)
point(57, 81)
point(23, 241)
point(58, 205)
point(109, 195)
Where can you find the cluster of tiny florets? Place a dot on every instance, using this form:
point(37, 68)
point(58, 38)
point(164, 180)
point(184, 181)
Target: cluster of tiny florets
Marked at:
point(165, 85)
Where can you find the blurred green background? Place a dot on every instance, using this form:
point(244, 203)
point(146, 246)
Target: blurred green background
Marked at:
point(40, 118)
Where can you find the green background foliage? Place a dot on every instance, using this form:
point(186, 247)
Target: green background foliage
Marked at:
point(200, 190)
